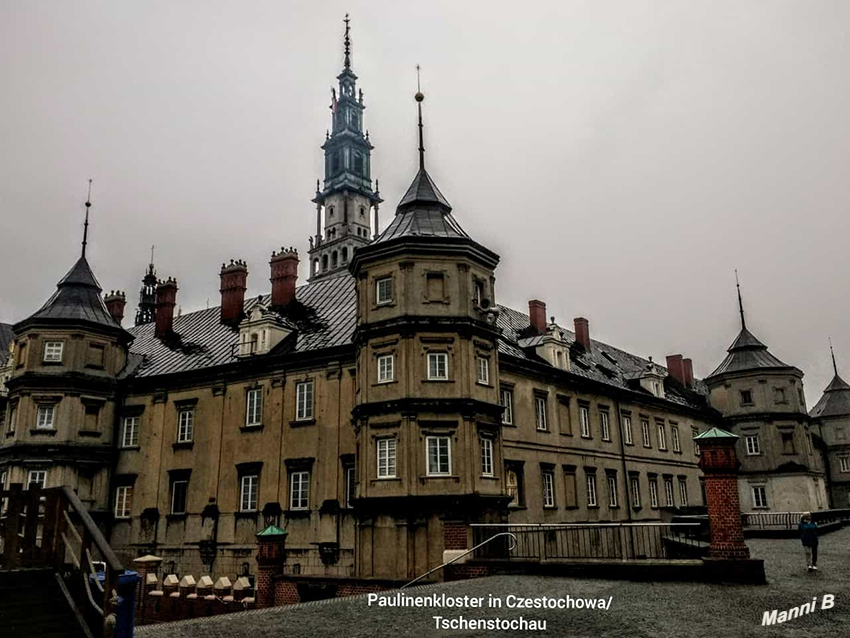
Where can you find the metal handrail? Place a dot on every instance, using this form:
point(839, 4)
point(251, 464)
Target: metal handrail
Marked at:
point(650, 524)
point(428, 573)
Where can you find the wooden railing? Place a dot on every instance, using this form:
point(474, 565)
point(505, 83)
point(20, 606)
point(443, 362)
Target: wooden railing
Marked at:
point(52, 529)
point(790, 520)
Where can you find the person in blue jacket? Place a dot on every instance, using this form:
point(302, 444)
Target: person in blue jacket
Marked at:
point(809, 537)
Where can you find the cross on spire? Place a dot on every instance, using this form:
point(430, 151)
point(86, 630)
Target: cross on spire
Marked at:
point(740, 301)
point(347, 43)
point(419, 98)
point(86, 224)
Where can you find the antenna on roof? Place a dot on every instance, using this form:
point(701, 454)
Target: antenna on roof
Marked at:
point(419, 97)
point(832, 352)
point(347, 44)
point(86, 225)
point(740, 302)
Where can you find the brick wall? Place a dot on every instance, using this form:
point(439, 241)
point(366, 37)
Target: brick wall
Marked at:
point(455, 535)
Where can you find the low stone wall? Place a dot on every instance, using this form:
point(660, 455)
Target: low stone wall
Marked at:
point(291, 590)
point(180, 599)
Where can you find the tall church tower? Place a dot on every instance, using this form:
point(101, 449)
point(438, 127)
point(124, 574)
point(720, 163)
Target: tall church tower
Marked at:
point(147, 296)
point(345, 203)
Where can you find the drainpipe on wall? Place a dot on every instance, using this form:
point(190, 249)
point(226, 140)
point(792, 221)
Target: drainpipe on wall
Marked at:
point(626, 479)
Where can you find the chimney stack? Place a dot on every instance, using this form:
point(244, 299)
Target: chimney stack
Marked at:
point(234, 283)
point(166, 299)
point(115, 302)
point(689, 372)
point(284, 274)
point(676, 367)
point(537, 314)
point(582, 330)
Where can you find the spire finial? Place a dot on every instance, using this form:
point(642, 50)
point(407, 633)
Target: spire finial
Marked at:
point(152, 247)
point(740, 301)
point(347, 44)
point(832, 352)
point(419, 97)
point(86, 224)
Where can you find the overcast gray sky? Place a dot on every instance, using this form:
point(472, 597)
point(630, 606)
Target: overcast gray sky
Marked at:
point(622, 157)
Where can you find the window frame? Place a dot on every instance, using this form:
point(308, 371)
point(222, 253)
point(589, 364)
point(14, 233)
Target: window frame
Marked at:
point(386, 452)
point(613, 496)
point(350, 485)
point(654, 501)
point(437, 357)
point(174, 491)
point(746, 397)
point(683, 492)
point(634, 483)
point(762, 490)
point(508, 407)
point(540, 409)
point(255, 406)
point(753, 445)
point(605, 424)
point(301, 480)
point(590, 487)
point(38, 473)
point(644, 426)
point(386, 373)
point(186, 431)
point(661, 428)
point(844, 463)
point(627, 430)
point(58, 348)
point(674, 436)
point(385, 283)
point(486, 444)
point(584, 420)
point(123, 502)
point(47, 424)
point(134, 439)
point(483, 366)
point(669, 493)
point(437, 439)
point(304, 409)
point(252, 483)
point(548, 484)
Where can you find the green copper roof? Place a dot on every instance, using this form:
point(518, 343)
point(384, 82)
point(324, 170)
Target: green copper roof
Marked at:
point(715, 433)
point(273, 530)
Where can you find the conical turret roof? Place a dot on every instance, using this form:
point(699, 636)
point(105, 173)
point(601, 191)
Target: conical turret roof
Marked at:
point(747, 353)
point(835, 400)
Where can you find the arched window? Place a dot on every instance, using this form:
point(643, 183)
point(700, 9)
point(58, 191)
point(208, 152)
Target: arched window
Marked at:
point(324, 262)
point(333, 259)
point(330, 211)
point(316, 266)
point(344, 254)
point(362, 211)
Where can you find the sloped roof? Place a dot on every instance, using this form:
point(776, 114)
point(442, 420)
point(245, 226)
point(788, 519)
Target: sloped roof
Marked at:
point(6, 337)
point(835, 400)
point(202, 341)
point(423, 190)
point(747, 353)
point(603, 363)
point(420, 222)
point(77, 298)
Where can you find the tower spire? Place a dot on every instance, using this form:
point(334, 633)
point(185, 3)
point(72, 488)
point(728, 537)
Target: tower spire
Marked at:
point(832, 352)
point(419, 97)
point(86, 224)
point(740, 301)
point(347, 43)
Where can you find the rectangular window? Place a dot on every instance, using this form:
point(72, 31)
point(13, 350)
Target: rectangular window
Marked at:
point(514, 486)
point(584, 420)
point(635, 481)
point(694, 435)
point(304, 401)
point(386, 372)
point(759, 496)
point(53, 351)
point(540, 413)
point(662, 437)
point(438, 455)
point(645, 427)
point(248, 492)
point(44, 417)
point(683, 492)
point(39, 477)
point(179, 491)
point(548, 489)
point(299, 490)
point(606, 428)
point(123, 501)
point(612, 491)
point(845, 463)
point(483, 371)
point(185, 425)
point(486, 456)
point(674, 432)
point(350, 487)
point(746, 397)
point(387, 458)
point(753, 448)
point(438, 365)
point(254, 408)
point(591, 490)
point(668, 492)
point(627, 429)
point(130, 436)
point(384, 290)
point(653, 493)
point(507, 401)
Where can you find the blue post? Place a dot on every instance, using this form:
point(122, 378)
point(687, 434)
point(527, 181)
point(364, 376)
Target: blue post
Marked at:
point(126, 609)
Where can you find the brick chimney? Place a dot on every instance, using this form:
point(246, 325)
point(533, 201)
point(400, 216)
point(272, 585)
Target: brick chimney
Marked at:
point(166, 299)
point(284, 274)
point(582, 330)
point(689, 372)
point(537, 314)
point(234, 283)
point(676, 367)
point(115, 302)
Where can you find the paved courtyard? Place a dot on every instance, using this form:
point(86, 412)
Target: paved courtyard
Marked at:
point(656, 610)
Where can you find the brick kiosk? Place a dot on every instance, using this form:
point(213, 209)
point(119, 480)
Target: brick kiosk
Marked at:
point(270, 558)
point(729, 557)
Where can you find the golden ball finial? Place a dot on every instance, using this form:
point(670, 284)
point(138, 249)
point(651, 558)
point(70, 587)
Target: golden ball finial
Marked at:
point(419, 96)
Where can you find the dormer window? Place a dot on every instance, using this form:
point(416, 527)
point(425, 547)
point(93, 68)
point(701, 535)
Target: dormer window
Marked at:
point(53, 351)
